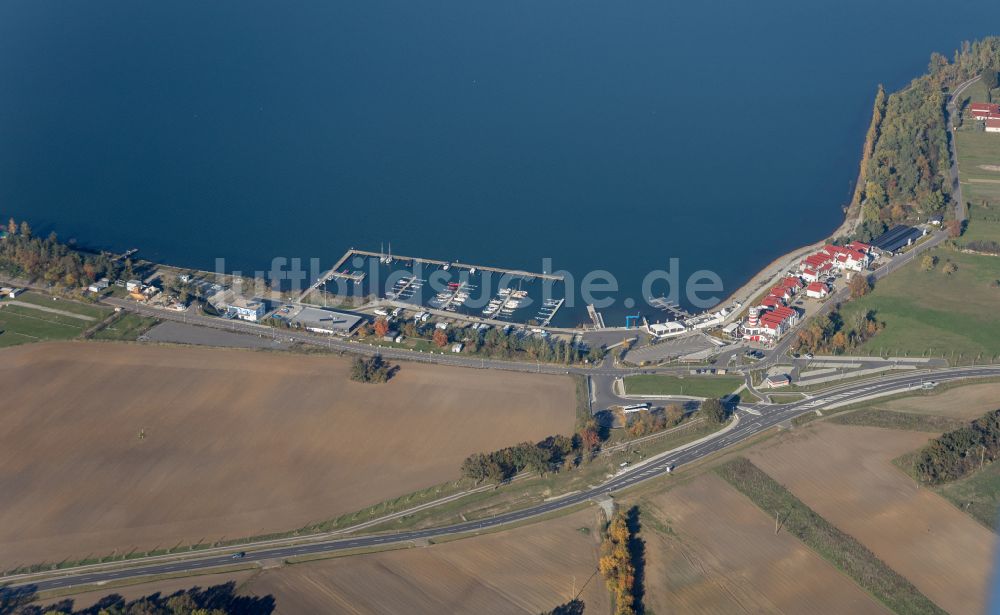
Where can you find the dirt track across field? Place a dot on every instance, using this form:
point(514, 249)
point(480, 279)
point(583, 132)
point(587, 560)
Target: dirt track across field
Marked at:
point(845, 474)
point(236, 443)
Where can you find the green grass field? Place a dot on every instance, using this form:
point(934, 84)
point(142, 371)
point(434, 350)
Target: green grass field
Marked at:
point(22, 325)
point(976, 92)
point(984, 222)
point(930, 313)
point(978, 494)
point(695, 386)
point(84, 309)
point(979, 169)
point(126, 328)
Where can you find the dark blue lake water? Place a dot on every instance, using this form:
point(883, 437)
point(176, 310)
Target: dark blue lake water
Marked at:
point(601, 135)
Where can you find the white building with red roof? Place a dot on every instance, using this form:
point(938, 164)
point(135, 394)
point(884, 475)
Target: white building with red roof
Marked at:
point(993, 124)
point(817, 290)
point(854, 257)
point(781, 293)
point(792, 283)
point(770, 325)
point(984, 111)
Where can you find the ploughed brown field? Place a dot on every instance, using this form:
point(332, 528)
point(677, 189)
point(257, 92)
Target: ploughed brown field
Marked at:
point(845, 474)
point(721, 555)
point(236, 443)
point(530, 569)
point(966, 402)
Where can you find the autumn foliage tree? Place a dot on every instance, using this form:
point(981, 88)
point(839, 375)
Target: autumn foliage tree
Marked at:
point(860, 285)
point(646, 422)
point(26, 256)
point(831, 334)
point(674, 414)
point(381, 327)
point(440, 338)
point(590, 436)
point(501, 465)
point(616, 564)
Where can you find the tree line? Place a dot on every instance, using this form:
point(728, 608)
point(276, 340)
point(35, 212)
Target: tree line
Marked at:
point(543, 457)
point(832, 334)
point(493, 342)
point(642, 423)
point(905, 165)
point(24, 255)
point(959, 452)
point(214, 600)
point(985, 246)
point(621, 562)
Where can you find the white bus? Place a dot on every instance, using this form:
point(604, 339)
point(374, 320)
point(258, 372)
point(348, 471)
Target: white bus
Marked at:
point(635, 408)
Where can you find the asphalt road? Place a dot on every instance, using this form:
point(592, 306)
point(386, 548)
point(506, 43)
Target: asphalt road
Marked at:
point(341, 344)
point(956, 187)
point(753, 420)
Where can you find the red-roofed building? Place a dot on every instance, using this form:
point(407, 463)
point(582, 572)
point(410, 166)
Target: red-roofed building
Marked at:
point(814, 261)
point(781, 293)
point(771, 325)
point(993, 124)
point(772, 302)
point(864, 248)
point(982, 111)
point(792, 283)
point(817, 290)
point(843, 257)
point(809, 274)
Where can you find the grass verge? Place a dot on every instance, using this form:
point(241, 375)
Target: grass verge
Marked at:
point(786, 398)
point(125, 326)
point(889, 419)
point(695, 386)
point(840, 549)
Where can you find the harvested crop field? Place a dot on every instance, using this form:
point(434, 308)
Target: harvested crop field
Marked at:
point(965, 402)
point(845, 474)
point(235, 443)
point(721, 555)
point(525, 570)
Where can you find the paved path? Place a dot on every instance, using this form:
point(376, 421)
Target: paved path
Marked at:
point(949, 114)
point(749, 422)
